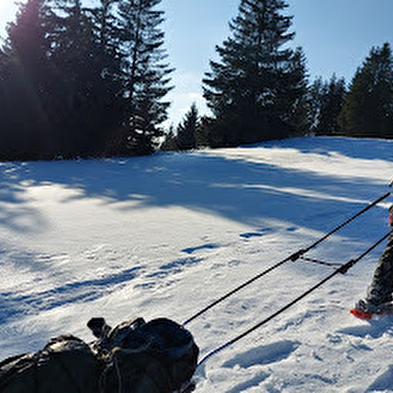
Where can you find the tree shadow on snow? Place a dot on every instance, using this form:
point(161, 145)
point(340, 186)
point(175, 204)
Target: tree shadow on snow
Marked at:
point(239, 189)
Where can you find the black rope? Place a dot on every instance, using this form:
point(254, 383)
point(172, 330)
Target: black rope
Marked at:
point(292, 257)
point(342, 270)
point(316, 261)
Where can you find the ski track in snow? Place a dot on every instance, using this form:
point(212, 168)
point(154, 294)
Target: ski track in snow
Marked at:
point(167, 234)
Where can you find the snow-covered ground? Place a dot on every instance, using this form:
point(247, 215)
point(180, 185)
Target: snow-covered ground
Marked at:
point(165, 235)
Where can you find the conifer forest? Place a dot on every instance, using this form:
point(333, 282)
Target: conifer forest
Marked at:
point(91, 80)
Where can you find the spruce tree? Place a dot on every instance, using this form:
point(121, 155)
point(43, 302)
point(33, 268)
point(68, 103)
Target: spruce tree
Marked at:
point(331, 107)
point(188, 129)
point(26, 130)
point(62, 92)
point(326, 101)
point(83, 81)
point(108, 57)
point(316, 94)
point(368, 108)
point(78, 57)
point(145, 75)
point(170, 140)
point(295, 95)
point(256, 90)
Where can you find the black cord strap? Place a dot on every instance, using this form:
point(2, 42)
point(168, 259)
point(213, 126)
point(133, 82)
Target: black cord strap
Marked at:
point(343, 269)
point(295, 256)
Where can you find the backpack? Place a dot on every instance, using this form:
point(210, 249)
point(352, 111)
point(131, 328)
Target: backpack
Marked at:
point(159, 356)
point(66, 364)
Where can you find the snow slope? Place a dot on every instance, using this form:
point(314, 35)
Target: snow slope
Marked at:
point(165, 235)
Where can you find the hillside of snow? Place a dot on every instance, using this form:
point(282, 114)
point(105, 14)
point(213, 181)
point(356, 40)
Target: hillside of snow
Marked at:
point(165, 235)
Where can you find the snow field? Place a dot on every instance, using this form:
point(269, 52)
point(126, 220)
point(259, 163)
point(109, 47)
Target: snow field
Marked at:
point(167, 234)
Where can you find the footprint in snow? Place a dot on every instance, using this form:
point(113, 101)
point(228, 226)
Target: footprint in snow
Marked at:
point(249, 235)
point(160, 276)
point(191, 250)
point(263, 355)
point(259, 233)
point(174, 267)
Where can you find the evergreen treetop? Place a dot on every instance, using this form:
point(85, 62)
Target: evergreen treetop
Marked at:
point(368, 108)
point(82, 79)
point(326, 101)
point(254, 87)
point(187, 130)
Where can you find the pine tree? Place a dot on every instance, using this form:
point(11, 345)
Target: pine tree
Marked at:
point(170, 140)
point(326, 101)
point(7, 137)
point(78, 57)
point(188, 130)
point(109, 59)
point(332, 103)
point(295, 94)
point(26, 132)
point(256, 90)
point(316, 93)
point(145, 75)
point(63, 94)
point(368, 108)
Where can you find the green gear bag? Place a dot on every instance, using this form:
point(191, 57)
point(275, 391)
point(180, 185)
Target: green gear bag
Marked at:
point(65, 365)
point(159, 356)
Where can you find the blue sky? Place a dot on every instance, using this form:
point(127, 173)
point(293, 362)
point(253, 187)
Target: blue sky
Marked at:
point(336, 36)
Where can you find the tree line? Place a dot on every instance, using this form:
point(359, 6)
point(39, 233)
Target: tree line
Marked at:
point(81, 80)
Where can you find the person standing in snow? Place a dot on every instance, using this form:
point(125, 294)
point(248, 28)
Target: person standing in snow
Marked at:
point(380, 291)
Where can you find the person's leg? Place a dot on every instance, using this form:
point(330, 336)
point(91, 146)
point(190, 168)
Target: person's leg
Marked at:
point(381, 287)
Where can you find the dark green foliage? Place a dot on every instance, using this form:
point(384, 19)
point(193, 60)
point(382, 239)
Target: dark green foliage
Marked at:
point(89, 94)
point(326, 101)
point(187, 132)
point(146, 75)
point(316, 93)
point(170, 140)
point(368, 108)
point(24, 117)
point(67, 85)
point(188, 129)
point(256, 90)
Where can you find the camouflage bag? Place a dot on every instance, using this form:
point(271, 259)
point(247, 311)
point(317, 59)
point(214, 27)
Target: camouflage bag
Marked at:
point(135, 357)
point(159, 356)
point(65, 365)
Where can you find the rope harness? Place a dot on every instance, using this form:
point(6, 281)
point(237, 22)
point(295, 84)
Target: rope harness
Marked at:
point(340, 269)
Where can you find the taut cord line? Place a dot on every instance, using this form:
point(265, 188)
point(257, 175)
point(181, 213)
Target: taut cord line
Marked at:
point(295, 256)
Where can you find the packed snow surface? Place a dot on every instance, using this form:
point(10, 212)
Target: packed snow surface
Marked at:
point(167, 234)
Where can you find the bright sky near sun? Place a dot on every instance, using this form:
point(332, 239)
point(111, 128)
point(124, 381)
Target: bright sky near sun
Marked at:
point(336, 36)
